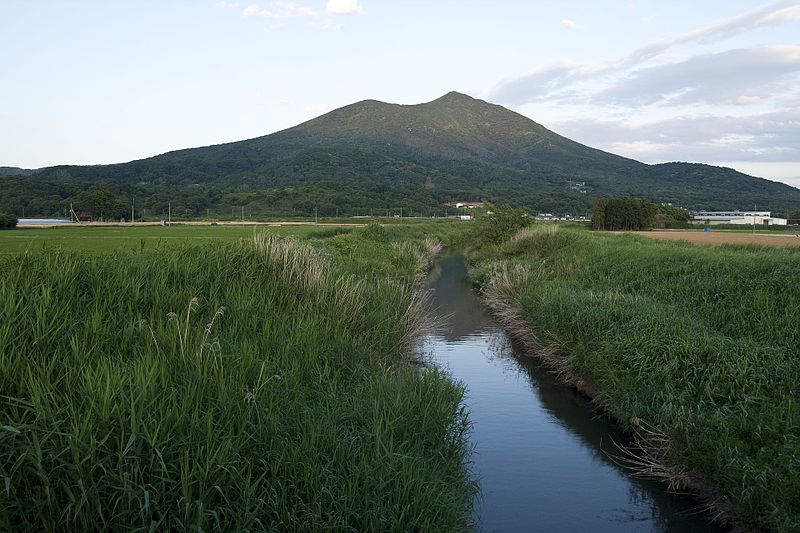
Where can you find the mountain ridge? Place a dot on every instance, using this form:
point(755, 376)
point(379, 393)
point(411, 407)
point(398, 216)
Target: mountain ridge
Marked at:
point(454, 146)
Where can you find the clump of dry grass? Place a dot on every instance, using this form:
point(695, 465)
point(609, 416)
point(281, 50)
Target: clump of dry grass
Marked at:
point(297, 264)
point(498, 294)
point(534, 232)
point(420, 254)
point(306, 269)
point(534, 238)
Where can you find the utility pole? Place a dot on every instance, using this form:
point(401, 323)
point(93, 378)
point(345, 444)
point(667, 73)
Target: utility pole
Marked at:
point(132, 219)
point(401, 212)
point(316, 218)
point(169, 214)
point(242, 213)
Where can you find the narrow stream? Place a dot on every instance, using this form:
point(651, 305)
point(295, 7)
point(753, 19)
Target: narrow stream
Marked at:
point(541, 454)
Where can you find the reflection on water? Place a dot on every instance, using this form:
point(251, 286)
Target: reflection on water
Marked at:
point(541, 453)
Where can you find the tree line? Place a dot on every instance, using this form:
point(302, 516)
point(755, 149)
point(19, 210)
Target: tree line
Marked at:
point(635, 214)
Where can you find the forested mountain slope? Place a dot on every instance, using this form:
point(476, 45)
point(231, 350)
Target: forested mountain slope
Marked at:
point(372, 154)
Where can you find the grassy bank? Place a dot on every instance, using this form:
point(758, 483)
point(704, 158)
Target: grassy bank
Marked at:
point(253, 385)
point(697, 349)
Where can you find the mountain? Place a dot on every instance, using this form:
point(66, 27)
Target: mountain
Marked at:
point(376, 155)
point(15, 171)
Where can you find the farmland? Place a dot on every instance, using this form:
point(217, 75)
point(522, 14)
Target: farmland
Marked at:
point(230, 377)
point(108, 238)
point(210, 378)
point(692, 348)
point(719, 238)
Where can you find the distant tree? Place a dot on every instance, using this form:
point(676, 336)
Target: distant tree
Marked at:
point(7, 221)
point(667, 216)
point(599, 213)
point(624, 214)
point(101, 202)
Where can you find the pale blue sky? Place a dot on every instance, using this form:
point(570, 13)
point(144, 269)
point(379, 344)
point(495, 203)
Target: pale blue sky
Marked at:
point(101, 82)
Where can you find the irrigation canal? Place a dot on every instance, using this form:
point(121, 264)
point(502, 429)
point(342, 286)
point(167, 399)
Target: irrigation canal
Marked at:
point(542, 456)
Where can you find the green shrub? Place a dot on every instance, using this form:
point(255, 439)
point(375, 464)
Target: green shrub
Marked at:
point(499, 224)
point(327, 233)
point(7, 221)
point(375, 231)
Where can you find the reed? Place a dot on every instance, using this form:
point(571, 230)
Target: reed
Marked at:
point(240, 386)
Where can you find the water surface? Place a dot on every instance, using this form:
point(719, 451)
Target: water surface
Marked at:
point(542, 456)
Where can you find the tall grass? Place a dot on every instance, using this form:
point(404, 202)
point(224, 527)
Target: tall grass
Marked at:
point(228, 386)
point(696, 349)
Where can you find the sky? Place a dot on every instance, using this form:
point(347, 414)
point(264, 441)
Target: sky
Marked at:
point(92, 82)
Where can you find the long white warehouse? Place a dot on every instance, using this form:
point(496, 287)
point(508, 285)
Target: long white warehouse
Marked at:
point(759, 218)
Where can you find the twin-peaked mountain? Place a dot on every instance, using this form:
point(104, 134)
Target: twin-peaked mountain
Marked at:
point(372, 154)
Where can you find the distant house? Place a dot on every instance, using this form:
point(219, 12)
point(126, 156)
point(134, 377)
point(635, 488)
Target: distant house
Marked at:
point(85, 216)
point(744, 218)
point(469, 205)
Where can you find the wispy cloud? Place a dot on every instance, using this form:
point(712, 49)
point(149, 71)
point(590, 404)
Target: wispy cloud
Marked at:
point(763, 137)
point(740, 77)
point(279, 10)
point(569, 24)
point(549, 81)
point(692, 97)
point(344, 7)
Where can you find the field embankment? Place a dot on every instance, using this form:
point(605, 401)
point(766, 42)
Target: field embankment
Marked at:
point(253, 385)
point(696, 349)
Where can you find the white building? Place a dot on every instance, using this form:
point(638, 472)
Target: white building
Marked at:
point(745, 218)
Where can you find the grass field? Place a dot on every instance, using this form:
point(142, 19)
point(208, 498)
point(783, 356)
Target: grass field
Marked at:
point(212, 380)
point(695, 348)
point(106, 238)
point(101, 239)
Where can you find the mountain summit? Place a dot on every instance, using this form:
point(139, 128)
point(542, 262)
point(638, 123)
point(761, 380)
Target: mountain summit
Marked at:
point(454, 147)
